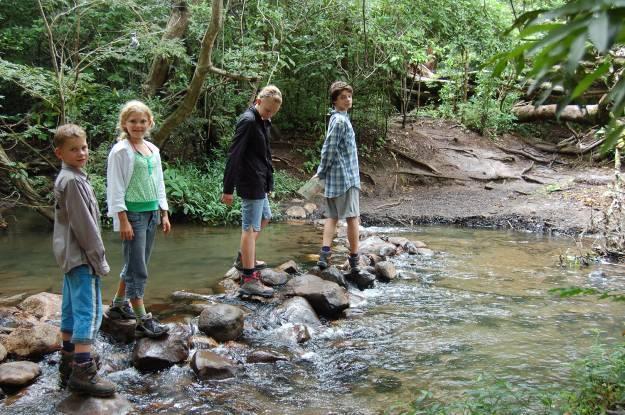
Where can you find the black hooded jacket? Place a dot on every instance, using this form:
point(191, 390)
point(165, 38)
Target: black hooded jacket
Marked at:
point(249, 167)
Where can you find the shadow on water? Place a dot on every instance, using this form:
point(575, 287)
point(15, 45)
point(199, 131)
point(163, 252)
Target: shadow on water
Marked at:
point(479, 306)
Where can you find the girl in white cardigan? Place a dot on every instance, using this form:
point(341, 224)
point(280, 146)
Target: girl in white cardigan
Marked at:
point(136, 199)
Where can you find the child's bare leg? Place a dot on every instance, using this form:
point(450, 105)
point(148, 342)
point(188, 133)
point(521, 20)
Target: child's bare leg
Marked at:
point(121, 289)
point(248, 247)
point(352, 234)
point(329, 228)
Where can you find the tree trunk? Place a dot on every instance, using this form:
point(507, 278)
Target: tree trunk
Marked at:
point(203, 67)
point(587, 115)
point(26, 190)
point(176, 28)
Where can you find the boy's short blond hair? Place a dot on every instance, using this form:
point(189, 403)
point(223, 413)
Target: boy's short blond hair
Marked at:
point(272, 92)
point(67, 131)
point(337, 87)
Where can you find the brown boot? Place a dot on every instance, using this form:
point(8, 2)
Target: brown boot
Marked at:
point(85, 379)
point(66, 364)
point(253, 286)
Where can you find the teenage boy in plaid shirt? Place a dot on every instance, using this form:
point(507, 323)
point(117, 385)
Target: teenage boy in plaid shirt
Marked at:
point(339, 169)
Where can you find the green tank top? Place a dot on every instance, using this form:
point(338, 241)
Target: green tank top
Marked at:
point(141, 195)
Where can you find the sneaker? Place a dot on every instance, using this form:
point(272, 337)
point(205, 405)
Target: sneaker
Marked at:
point(324, 259)
point(258, 265)
point(85, 379)
point(121, 312)
point(148, 326)
point(353, 264)
point(253, 286)
point(67, 362)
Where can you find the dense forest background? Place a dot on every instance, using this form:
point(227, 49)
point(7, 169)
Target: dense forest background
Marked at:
point(198, 64)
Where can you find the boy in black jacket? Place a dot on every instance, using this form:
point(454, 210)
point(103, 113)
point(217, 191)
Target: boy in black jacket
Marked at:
point(249, 170)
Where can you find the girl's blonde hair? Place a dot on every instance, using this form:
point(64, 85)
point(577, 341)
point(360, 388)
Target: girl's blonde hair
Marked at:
point(271, 91)
point(124, 114)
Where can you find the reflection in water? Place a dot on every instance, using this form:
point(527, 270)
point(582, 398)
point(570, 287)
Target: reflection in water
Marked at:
point(480, 306)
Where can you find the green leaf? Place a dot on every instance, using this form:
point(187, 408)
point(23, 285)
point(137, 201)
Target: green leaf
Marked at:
point(577, 52)
point(585, 83)
point(598, 32)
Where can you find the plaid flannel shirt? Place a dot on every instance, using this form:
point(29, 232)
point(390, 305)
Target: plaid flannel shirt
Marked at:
point(339, 157)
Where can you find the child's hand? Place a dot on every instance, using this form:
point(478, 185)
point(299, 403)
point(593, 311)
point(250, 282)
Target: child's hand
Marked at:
point(165, 223)
point(227, 199)
point(125, 231)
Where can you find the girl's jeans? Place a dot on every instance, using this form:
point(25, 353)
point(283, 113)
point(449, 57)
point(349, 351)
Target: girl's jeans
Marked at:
point(81, 308)
point(136, 252)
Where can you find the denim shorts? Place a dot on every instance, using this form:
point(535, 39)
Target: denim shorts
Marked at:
point(81, 307)
point(253, 211)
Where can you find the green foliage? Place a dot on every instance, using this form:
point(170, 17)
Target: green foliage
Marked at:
point(558, 41)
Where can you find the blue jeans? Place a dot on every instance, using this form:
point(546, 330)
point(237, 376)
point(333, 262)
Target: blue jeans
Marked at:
point(136, 252)
point(253, 211)
point(81, 308)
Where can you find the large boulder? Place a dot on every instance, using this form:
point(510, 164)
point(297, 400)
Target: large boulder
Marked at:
point(222, 322)
point(12, 317)
point(333, 274)
point(297, 310)
point(156, 354)
point(80, 404)
point(33, 342)
point(363, 279)
point(122, 331)
point(265, 356)
point(326, 297)
point(210, 365)
point(16, 375)
point(44, 306)
point(290, 267)
point(12, 300)
point(385, 271)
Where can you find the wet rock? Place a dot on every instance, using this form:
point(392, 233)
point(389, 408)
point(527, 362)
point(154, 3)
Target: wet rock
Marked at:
point(326, 297)
point(293, 333)
point(122, 331)
point(375, 245)
point(187, 297)
point(310, 208)
point(363, 280)
point(233, 274)
point(44, 306)
point(12, 300)
point(157, 354)
point(16, 375)
point(290, 267)
point(201, 342)
point(265, 356)
point(82, 404)
point(373, 259)
point(297, 310)
point(296, 212)
point(273, 278)
point(2, 395)
point(357, 300)
point(12, 317)
point(33, 342)
point(598, 274)
point(385, 271)
point(398, 241)
point(209, 365)
point(333, 274)
point(386, 384)
point(425, 252)
point(222, 322)
point(3, 353)
point(230, 287)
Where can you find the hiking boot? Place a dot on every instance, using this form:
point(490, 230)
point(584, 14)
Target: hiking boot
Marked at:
point(324, 259)
point(85, 379)
point(148, 326)
point(258, 265)
point(353, 264)
point(66, 363)
point(253, 286)
point(121, 312)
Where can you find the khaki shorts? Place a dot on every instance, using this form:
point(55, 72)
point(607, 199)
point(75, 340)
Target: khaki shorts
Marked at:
point(344, 206)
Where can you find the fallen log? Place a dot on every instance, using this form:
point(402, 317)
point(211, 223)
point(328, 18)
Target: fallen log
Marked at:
point(588, 114)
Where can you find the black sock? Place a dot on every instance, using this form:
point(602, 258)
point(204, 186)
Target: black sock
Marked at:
point(82, 358)
point(353, 255)
point(68, 346)
point(248, 272)
point(325, 248)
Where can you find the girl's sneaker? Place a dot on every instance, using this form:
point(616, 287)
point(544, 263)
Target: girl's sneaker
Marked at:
point(148, 326)
point(121, 312)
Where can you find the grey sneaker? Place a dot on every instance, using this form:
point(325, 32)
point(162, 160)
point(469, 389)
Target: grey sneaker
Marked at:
point(258, 265)
point(253, 286)
point(353, 264)
point(85, 379)
point(324, 259)
point(121, 312)
point(148, 326)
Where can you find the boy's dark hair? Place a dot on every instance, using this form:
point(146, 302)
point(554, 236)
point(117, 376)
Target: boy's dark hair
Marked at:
point(66, 131)
point(337, 87)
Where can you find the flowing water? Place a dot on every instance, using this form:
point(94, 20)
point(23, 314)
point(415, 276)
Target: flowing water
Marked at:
point(479, 307)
